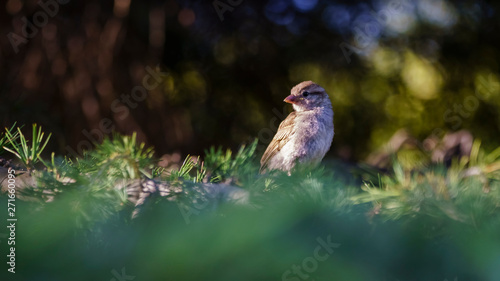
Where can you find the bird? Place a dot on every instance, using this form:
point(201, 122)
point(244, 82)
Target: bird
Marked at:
point(306, 134)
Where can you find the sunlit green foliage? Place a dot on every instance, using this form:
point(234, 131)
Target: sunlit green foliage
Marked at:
point(82, 204)
point(224, 166)
point(468, 191)
point(186, 172)
point(4, 137)
point(28, 154)
point(120, 158)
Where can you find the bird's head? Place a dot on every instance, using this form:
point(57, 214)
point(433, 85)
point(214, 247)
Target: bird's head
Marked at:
point(307, 96)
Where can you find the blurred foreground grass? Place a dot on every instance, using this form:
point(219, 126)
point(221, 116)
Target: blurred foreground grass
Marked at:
point(434, 222)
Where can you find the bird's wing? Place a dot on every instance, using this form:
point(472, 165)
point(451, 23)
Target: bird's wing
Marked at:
point(282, 137)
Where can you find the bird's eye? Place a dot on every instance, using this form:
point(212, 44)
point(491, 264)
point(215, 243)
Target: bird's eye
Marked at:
point(305, 94)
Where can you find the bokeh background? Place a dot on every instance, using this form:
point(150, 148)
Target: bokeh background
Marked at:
point(427, 66)
point(408, 73)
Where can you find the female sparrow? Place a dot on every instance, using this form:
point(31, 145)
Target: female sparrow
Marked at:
point(306, 134)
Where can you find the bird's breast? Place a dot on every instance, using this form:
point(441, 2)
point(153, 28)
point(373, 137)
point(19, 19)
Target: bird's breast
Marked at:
point(313, 137)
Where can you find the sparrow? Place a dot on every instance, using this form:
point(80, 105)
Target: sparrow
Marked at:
point(306, 134)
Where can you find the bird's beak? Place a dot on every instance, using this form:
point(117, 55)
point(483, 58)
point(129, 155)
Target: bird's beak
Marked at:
point(291, 99)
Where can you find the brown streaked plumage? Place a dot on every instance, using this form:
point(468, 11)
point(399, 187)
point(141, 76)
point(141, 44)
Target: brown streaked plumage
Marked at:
point(306, 134)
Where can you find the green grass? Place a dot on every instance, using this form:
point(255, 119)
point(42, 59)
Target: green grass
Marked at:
point(428, 222)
